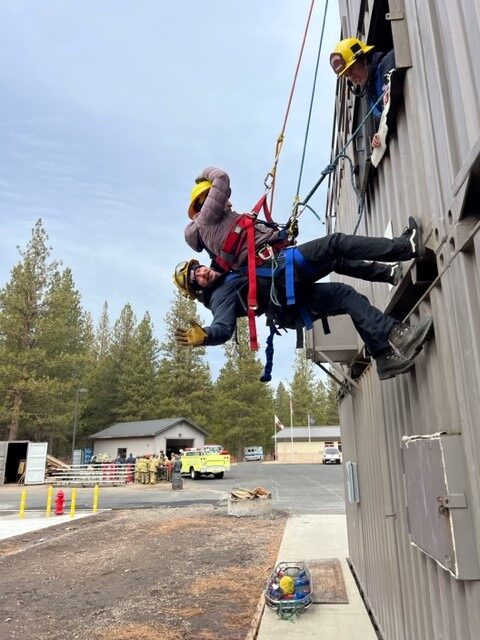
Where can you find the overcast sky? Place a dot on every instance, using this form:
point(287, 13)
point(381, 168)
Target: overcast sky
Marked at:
point(111, 108)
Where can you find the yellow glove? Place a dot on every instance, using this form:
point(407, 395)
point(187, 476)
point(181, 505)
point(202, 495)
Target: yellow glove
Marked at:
point(193, 337)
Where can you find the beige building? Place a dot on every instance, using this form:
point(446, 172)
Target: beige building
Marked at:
point(147, 437)
point(305, 444)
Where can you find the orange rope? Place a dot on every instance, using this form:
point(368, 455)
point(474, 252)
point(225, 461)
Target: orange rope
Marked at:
point(281, 136)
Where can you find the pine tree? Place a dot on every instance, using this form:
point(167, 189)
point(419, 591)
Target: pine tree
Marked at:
point(123, 343)
point(65, 338)
point(138, 379)
point(331, 416)
point(184, 379)
point(302, 389)
point(243, 406)
point(282, 404)
point(21, 311)
point(101, 381)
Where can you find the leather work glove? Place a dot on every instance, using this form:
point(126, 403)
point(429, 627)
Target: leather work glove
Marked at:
point(193, 337)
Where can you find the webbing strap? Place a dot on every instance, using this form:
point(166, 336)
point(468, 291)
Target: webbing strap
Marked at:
point(252, 303)
point(289, 276)
point(306, 317)
point(302, 263)
point(262, 204)
point(234, 242)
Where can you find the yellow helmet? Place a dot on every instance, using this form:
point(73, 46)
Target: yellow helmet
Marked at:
point(182, 278)
point(346, 53)
point(200, 189)
point(287, 585)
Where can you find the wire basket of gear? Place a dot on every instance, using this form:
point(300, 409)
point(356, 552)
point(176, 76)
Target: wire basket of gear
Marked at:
point(289, 589)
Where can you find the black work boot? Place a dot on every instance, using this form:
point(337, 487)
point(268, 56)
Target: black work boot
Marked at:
point(407, 340)
point(414, 233)
point(390, 364)
point(396, 274)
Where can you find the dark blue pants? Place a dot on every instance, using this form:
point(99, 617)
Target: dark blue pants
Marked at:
point(346, 255)
point(326, 299)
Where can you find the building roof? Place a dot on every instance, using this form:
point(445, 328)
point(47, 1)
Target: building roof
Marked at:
point(316, 433)
point(142, 428)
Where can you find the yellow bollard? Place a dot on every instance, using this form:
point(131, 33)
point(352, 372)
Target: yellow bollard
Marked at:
point(96, 492)
point(49, 501)
point(23, 500)
point(73, 502)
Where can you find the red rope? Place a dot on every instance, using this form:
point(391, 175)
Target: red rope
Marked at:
point(280, 137)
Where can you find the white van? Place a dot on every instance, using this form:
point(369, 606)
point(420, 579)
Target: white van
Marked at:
point(331, 455)
point(253, 453)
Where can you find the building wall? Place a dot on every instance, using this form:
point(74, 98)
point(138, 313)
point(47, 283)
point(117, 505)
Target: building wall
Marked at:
point(149, 445)
point(181, 431)
point(136, 446)
point(432, 170)
point(302, 452)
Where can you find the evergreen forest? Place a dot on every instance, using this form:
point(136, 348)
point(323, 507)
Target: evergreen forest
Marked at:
point(50, 348)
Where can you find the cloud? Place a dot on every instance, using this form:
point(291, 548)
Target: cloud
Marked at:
point(109, 110)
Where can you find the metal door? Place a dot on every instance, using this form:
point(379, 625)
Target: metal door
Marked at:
point(36, 461)
point(3, 460)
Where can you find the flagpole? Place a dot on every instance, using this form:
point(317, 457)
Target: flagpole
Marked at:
point(291, 430)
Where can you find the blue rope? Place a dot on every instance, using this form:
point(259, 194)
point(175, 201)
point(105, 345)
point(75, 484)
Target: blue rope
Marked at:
point(267, 372)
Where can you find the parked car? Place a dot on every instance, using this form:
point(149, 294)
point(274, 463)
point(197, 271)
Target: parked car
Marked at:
point(253, 453)
point(331, 455)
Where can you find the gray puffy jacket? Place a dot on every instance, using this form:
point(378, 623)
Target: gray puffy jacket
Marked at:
point(211, 226)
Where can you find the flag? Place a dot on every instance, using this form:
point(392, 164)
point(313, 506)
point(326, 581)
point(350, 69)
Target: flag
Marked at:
point(311, 420)
point(278, 424)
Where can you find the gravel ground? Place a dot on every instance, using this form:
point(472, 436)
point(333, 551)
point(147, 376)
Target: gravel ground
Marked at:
point(150, 574)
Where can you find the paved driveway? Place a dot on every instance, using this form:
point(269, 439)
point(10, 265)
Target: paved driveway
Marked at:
point(295, 488)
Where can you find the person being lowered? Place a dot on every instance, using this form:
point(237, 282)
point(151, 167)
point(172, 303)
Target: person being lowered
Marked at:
point(393, 345)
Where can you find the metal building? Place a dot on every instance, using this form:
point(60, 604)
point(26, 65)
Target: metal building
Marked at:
point(412, 444)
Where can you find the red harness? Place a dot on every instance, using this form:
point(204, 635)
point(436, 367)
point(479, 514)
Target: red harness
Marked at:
point(244, 231)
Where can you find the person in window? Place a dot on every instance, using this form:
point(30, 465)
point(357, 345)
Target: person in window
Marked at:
point(366, 73)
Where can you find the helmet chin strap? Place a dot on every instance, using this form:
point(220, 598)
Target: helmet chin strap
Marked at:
point(357, 91)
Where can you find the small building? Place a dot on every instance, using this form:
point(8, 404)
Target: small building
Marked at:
point(306, 444)
point(147, 437)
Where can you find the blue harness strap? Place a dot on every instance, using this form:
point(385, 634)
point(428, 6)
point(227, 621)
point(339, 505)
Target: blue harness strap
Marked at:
point(289, 276)
point(232, 276)
point(294, 257)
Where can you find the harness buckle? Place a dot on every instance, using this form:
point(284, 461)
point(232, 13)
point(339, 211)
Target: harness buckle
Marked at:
point(265, 252)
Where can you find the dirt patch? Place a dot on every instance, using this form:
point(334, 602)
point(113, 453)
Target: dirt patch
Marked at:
point(192, 573)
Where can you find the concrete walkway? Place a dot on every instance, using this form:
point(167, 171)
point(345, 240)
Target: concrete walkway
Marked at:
point(317, 537)
point(11, 525)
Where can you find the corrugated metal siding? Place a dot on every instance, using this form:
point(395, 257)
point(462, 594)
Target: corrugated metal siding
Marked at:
point(423, 173)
